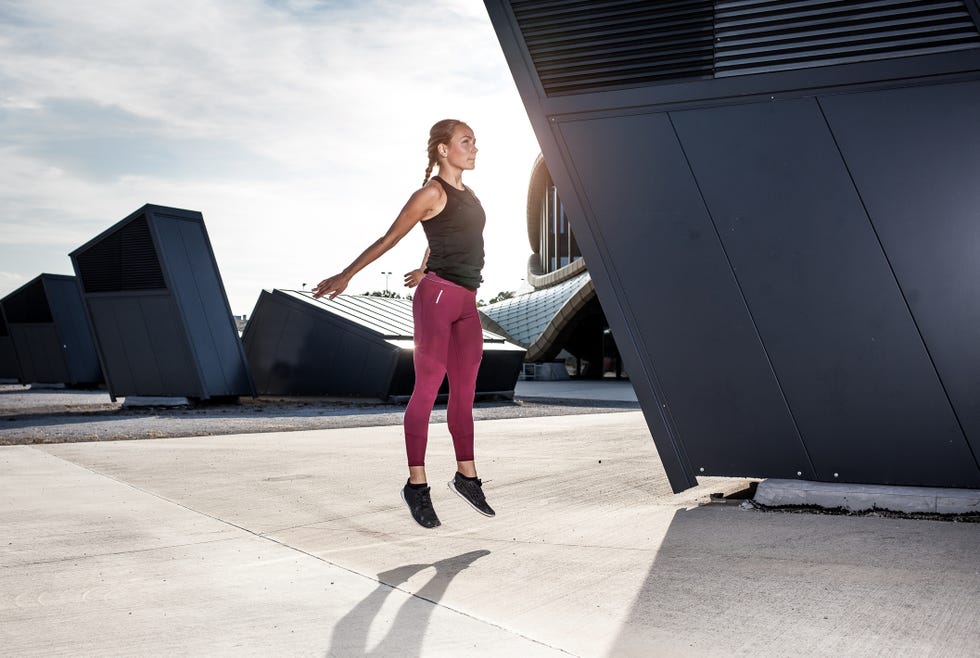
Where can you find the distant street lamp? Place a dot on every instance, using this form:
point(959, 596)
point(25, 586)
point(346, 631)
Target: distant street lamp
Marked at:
point(387, 274)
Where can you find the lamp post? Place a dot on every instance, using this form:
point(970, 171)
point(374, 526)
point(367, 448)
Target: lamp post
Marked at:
point(387, 274)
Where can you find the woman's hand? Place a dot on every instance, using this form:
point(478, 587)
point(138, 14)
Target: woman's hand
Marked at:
point(414, 277)
point(331, 287)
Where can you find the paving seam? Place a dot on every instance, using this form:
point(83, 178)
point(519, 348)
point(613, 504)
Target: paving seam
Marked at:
point(297, 550)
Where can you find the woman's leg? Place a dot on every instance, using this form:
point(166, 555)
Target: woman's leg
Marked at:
point(433, 318)
point(463, 364)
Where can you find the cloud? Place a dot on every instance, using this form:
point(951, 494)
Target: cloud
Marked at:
point(298, 128)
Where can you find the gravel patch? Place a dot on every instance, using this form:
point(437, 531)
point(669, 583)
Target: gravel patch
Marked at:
point(31, 415)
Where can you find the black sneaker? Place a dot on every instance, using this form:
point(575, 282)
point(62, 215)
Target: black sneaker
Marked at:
point(472, 492)
point(420, 505)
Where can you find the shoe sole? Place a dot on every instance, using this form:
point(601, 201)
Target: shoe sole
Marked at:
point(402, 492)
point(452, 487)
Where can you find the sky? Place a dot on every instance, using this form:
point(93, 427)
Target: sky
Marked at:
point(297, 128)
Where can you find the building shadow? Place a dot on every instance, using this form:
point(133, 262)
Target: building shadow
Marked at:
point(406, 633)
point(731, 582)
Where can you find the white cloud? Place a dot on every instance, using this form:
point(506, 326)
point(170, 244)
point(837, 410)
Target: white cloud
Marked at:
point(298, 128)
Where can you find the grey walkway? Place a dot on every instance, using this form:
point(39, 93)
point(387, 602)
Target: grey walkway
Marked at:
point(297, 544)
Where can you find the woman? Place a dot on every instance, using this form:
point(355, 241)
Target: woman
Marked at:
point(448, 334)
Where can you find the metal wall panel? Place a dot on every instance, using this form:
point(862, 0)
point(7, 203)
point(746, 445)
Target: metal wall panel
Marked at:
point(40, 354)
point(839, 335)
point(77, 342)
point(186, 252)
point(914, 153)
point(9, 367)
point(690, 319)
point(143, 345)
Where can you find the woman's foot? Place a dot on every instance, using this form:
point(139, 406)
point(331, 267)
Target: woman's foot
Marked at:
point(471, 490)
point(419, 502)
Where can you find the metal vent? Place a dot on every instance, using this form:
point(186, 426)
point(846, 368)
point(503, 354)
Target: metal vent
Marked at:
point(28, 305)
point(756, 37)
point(123, 260)
point(581, 46)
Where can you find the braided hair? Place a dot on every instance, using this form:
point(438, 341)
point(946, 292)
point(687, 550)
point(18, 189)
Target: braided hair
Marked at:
point(440, 133)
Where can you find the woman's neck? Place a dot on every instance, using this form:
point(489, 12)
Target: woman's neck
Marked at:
point(453, 176)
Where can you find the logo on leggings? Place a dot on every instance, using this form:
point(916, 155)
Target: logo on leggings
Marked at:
point(438, 296)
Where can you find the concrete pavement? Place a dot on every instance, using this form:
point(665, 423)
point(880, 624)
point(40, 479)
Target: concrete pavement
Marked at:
point(297, 543)
point(606, 390)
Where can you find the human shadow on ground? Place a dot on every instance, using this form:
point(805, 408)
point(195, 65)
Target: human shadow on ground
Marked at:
point(405, 634)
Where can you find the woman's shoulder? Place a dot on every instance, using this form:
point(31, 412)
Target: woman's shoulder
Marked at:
point(432, 196)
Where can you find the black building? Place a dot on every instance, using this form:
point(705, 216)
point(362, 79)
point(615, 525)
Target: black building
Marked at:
point(158, 308)
point(778, 202)
point(353, 345)
point(49, 333)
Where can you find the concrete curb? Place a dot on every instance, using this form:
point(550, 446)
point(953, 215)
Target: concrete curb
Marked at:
point(863, 497)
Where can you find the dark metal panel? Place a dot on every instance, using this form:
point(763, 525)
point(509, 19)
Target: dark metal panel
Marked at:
point(914, 155)
point(185, 250)
point(259, 339)
point(854, 370)
point(77, 343)
point(672, 275)
point(143, 346)
point(9, 367)
point(40, 354)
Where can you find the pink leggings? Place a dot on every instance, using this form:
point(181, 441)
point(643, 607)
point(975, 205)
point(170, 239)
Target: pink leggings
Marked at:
point(448, 341)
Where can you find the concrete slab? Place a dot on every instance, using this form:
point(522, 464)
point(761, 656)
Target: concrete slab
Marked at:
point(576, 389)
point(297, 543)
point(864, 497)
point(155, 401)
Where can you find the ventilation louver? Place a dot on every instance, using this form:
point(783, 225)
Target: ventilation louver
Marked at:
point(125, 260)
point(29, 305)
point(582, 46)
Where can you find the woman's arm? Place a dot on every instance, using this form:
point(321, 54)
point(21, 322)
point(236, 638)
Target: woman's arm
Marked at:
point(423, 204)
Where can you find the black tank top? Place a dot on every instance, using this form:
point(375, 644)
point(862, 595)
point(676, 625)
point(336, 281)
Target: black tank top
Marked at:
point(455, 238)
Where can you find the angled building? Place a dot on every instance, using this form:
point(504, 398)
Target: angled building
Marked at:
point(353, 345)
point(158, 309)
point(48, 333)
point(778, 203)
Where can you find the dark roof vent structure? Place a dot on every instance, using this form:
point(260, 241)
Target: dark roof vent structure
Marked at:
point(49, 334)
point(161, 319)
point(357, 346)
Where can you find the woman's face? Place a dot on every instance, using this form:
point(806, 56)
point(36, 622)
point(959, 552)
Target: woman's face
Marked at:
point(461, 150)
